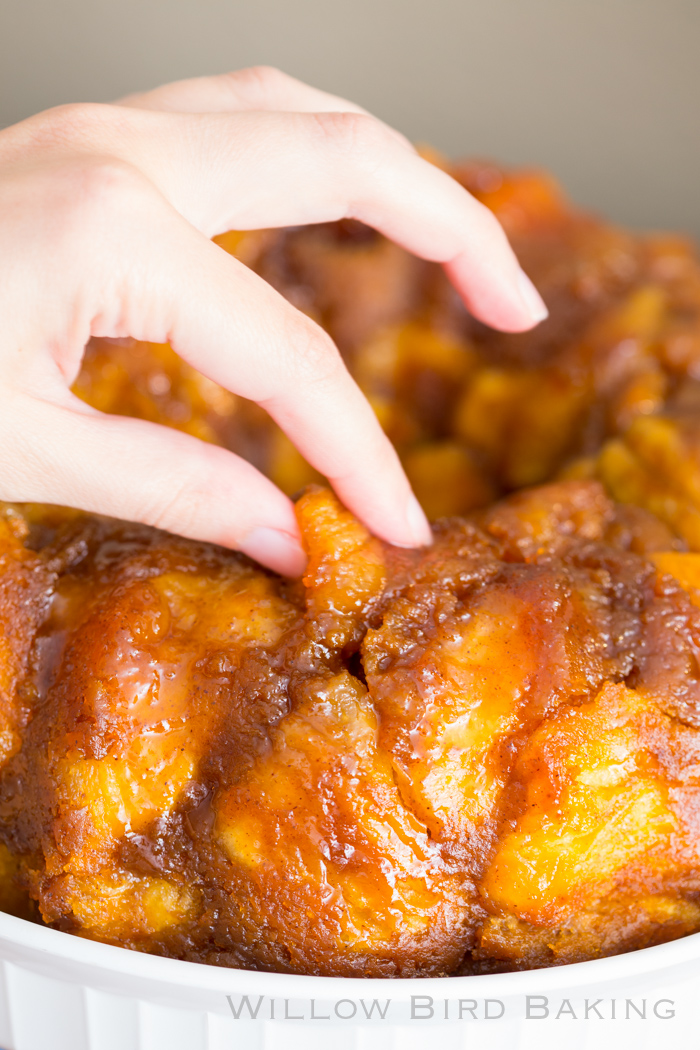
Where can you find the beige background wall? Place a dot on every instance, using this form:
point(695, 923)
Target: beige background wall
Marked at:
point(604, 92)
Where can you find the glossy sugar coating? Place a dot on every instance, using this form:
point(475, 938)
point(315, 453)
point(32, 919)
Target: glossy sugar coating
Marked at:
point(476, 757)
point(481, 755)
point(24, 587)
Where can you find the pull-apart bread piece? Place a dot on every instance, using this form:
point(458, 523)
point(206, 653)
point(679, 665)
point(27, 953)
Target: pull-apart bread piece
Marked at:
point(480, 755)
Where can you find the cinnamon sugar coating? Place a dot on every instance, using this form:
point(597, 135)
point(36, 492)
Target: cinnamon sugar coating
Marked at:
point(479, 756)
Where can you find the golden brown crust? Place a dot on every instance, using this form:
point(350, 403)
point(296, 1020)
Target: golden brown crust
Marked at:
point(25, 586)
point(475, 757)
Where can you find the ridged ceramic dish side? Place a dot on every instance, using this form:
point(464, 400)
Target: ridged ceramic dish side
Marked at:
point(59, 992)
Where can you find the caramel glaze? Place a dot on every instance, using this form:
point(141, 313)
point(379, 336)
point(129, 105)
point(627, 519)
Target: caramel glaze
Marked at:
point(482, 755)
point(479, 756)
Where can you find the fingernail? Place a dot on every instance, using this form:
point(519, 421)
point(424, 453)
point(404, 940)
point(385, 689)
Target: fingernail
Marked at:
point(532, 299)
point(275, 549)
point(418, 523)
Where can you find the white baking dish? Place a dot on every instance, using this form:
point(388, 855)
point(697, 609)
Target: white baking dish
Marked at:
point(59, 992)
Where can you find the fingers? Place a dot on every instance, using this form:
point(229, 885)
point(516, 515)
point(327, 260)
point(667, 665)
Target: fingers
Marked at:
point(257, 88)
point(250, 170)
point(144, 271)
point(233, 327)
point(131, 469)
point(261, 87)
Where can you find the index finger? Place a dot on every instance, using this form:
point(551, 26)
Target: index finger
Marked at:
point(249, 170)
point(256, 88)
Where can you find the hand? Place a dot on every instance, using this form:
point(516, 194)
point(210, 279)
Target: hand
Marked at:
point(106, 215)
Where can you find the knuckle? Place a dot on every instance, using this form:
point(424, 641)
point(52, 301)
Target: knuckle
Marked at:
point(177, 506)
point(106, 182)
point(75, 174)
point(259, 83)
point(314, 359)
point(174, 511)
point(354, 134)
point(483, 223)
point(72, 124)
point(88, 196)
point(98, 188)
point(318, 354)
